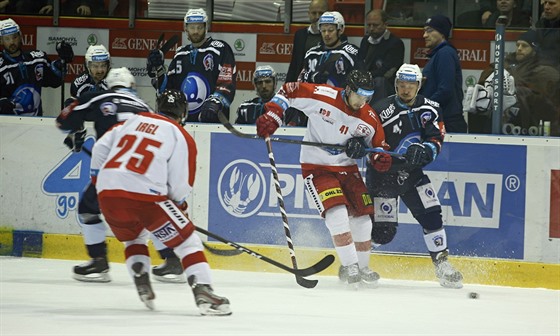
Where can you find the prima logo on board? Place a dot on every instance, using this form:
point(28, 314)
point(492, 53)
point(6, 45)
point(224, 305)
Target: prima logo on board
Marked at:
point(241, 188)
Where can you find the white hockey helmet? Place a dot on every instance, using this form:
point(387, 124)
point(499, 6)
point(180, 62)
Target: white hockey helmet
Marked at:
point(264, 71)
point(97, 53)
point(334, 18)
point(8, 27)
point(120, 77)
point(409, 73)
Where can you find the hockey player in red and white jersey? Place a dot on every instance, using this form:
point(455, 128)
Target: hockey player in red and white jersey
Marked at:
point(337, 116)
point(144, 171)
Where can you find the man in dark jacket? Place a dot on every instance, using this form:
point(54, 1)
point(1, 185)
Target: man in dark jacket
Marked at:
point(382, 52)
point(442, 74)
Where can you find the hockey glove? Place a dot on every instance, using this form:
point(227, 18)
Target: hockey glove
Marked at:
point(209, 110)
point(269, 122)
point(155, 63)
point(65, 51)
point(7, 106)
point(356, 148)
point(184, 207)
point(381, 161)
point(419, 155)
point(75, 140)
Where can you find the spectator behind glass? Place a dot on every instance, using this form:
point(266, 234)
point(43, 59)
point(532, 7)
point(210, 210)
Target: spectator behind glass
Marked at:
point(536, 91)
point(487, 7)
point(548, 27)
point(25, 7)
point(382, 52)
point(77, 7)
point(515, 16)
point(442, 73)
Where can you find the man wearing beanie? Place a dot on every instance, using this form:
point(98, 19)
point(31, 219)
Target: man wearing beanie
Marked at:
point(442, 74)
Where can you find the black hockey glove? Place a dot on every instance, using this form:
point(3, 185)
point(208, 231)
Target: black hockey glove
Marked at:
point(419, 155)
point(7, 106)
point(209, 110)
point(75, 140)
point(319, 77)
point(65, 51)
point(155, 63)
point(356, 148)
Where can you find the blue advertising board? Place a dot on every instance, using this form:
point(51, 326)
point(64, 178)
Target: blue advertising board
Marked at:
point(481, 188)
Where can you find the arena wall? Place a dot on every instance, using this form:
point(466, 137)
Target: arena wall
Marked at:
point(500, 198)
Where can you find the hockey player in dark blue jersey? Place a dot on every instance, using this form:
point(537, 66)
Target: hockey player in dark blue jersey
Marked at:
point(203, 70)
point(332, 60)
point(97, 65)
point(264, 79)
point(23, 74)
point(414, 128)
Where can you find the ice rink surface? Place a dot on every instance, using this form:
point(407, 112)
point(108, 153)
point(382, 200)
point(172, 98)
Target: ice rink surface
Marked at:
point(38, 297)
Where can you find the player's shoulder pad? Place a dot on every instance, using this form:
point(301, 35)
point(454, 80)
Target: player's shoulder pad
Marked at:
point(350, 48)
point(385, 112)
point(81, 79)
point(217, 44)
point(37, 54)
point(369, 115)
point(431, 102)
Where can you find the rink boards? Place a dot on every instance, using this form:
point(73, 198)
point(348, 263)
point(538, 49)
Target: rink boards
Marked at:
point(499, 196)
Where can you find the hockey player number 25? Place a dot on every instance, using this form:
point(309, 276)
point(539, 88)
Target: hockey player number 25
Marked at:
point(138, 163)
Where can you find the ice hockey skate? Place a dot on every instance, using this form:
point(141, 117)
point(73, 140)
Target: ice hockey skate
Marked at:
point(448, 276)
point(208, 303)
point(170, 271)
point(143, 285)
point(95, 270)
point(368, 277)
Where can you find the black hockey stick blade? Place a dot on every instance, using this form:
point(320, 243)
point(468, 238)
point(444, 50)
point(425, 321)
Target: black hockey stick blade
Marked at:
point(302, 272)
point(224, 120)
point(303, 282)
point(169, 43)
point(222, 252)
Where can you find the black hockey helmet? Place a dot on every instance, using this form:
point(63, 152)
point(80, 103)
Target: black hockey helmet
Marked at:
point(360, 80)
point(172, 103)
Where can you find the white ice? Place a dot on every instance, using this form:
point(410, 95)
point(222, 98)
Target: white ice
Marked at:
point(38, 297)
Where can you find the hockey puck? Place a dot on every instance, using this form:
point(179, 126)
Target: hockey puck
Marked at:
point(473, 295)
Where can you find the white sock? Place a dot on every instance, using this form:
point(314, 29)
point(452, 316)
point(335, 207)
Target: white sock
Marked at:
point(347, 254)
point(363, 258)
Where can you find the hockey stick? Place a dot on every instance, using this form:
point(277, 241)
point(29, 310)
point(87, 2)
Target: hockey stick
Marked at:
point(164, 49)
point(222, 252)
point(320, 266)
point(336, 148)
point(301, 281)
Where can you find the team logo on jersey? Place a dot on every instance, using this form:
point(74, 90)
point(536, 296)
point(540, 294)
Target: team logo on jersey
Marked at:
point(39, 70)
point(241, 188)
point(425, 117)
point(407, 141)
point(196, 89)
point(208, 62)
point(108, 108)
point(362, 130)
point(388, 112)
point(339, 66)
point(26, 99)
